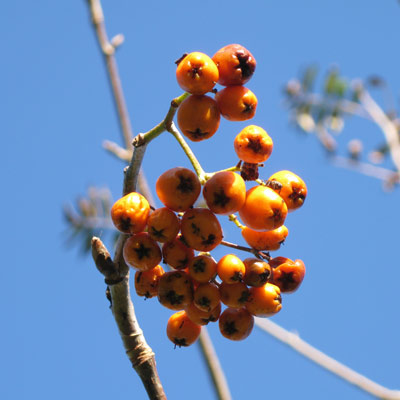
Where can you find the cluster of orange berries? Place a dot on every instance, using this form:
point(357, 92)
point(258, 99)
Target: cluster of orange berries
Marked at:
point(232, 66)
point(197, 284)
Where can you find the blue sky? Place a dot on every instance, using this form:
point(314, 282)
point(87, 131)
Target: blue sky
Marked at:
point(58, 338)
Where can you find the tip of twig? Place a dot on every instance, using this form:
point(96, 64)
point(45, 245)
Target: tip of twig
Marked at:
point(97, 244)
point(117, 40)
point(102, 259)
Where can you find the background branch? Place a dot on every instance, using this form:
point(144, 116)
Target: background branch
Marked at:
point(329, 363)
point(108, 51)
point(214, 367)
point(385, 124)
point(321, 113)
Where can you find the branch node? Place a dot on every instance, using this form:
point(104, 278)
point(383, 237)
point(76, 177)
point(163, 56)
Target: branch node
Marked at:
point(174, 103)
point(110, 282)
point(139, 140)
point(108, 49)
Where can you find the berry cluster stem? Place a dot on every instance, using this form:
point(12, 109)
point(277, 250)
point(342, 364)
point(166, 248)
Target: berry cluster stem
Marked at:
point(188, 151)
point(257, 253)
point(165, 125)
point(234, 219)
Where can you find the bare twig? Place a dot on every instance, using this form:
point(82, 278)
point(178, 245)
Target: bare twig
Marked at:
point(325, 138)
point(132, 171)
point(315, 355)
point(257, 253)
point(117, 151)
point(138, 351)
point(387, 126)
point(368, 169)
point(126, 155)
point(214, 366)
point(108, 51)
point(144, 188)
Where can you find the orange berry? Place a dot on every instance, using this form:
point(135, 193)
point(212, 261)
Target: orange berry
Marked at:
point(200, 317)
point(231, 269)
point(235, 63)
point(202, 268)
point(206, 296)
point(141, 252)
point(163, 225)
point(175, 290)
point(178, 188)
point(225, 192)
point(146, 282)
point(234, 295)
point(253, 145)
point(198, 117)
point(263, 210)
point(236, 323)
point(176, 254)
point(290, 187)
point(269, 240)
point(288, 275)
point(236, 103)
point(197, 73)
point(257, 272)
point(181, 330)
point(129, 214)
point(276, 261)
point(265, 300)
point(201, 229)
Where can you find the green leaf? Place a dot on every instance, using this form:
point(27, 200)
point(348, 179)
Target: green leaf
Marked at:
point(308, 78)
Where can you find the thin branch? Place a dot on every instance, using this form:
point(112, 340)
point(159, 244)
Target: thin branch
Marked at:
point(138, 351)
point(315, 355)
point(132, 171)
point(188, 151)
point(108, 51)
point(387, 126)
point(214, 366)
point(164, 125)
point(126, 155)
point(143, 187)
point(257, 253)
point(117, 151)
point(368, 169)
point(325, 138)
